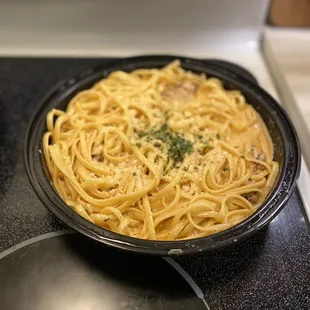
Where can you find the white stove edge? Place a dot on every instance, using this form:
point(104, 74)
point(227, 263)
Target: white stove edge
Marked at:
point(290, 105)
point(303, 186)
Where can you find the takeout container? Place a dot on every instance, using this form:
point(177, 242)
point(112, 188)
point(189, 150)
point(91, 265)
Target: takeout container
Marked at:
point(286, 146)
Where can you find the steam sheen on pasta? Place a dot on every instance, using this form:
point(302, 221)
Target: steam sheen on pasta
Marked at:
point(160, 154)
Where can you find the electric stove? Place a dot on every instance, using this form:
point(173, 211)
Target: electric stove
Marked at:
point(44, 265)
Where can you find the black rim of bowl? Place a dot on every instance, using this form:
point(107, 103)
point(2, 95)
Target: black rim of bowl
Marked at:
point(280, 194)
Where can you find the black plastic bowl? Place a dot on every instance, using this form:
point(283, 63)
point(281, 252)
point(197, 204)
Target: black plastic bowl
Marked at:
point(287, 153)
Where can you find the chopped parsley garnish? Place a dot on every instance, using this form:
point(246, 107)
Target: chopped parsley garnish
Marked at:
point(242, 156)
point(178, 146)
point(138, 144)
point(218, 136)
point(142, 134)
point(199, 137)
point(225, 169)
point(196, 168)
point(134, 174)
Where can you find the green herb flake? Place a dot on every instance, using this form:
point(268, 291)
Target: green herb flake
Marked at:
point(225, 169)
point(178, 147)
point(142, 134)
point(166, 171)
point(134, 174)
point(196, 168)
point(138, 144)
point(242, 156)
point(218, 136)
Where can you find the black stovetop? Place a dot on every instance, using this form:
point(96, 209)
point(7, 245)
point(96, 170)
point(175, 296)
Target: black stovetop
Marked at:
point(63, 270)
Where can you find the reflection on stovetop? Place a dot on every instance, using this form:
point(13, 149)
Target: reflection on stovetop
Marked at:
point(70, 272)
point(269, 271)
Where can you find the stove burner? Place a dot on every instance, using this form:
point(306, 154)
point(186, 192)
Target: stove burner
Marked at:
point(70, 272)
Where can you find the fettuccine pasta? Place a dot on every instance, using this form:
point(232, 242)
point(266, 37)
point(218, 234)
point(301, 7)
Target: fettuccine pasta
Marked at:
point(160, 154)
